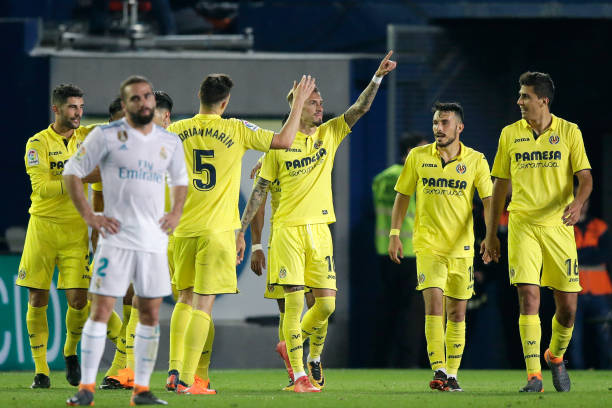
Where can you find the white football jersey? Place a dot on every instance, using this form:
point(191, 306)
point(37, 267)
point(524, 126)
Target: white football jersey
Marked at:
point(133, 167)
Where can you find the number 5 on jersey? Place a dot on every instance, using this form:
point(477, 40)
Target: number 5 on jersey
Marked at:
point(209, 174)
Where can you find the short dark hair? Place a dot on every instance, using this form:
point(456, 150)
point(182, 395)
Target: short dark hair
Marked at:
point(410, 140)
point(215, 88)
point(114, 107)
point(62, 92)
point(163, 101)
point(542, 83)
point(134, 79)
point(449, 107)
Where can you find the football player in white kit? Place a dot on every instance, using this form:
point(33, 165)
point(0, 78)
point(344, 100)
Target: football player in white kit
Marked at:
point(134, 156)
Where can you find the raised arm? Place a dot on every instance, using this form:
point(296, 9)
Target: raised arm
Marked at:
point(363, 103)
point(257, 197)
point(301, 92)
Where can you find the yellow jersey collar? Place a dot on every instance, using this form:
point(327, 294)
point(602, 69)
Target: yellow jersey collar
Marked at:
point(57, 135)
point(435, 152)
point(553, 124)
point(207, 116)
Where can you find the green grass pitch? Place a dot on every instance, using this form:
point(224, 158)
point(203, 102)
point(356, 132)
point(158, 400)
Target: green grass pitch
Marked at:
point(345, 388)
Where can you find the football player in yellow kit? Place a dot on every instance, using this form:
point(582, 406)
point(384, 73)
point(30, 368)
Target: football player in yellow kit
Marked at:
point(204, 241)
point(56, 235)
point(540, 155)
point(301, 250)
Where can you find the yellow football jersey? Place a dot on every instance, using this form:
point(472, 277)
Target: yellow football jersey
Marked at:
point(541, 169)
point(46, 155)
point(444, 192)
point(213, 154)
point(304, 172)
point(274, 190)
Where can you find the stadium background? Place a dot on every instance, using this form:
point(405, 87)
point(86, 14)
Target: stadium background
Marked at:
point(469, 51)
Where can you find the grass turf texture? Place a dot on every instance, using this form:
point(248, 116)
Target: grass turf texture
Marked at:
point(345, 388)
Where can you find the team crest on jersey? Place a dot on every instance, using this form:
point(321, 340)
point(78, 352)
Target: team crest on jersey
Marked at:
point(318, 144)
point(80, 153)
point(33, 158)
point(282, 273)
point(122, 135)
point(22, 274)
point(554, 139)
point(422, 278)
point(250, 125)
point(270, 288)
point(461, 169)
point(163, 153)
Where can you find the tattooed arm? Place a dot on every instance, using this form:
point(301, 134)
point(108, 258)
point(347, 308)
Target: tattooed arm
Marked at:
point(363, 103)
point(258, 195)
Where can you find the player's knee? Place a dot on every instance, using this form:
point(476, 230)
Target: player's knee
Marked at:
point(326, 306)
point(77, 300)
point(38, 298)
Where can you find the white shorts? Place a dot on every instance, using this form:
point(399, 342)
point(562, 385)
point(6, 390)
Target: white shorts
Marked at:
point(115, 268)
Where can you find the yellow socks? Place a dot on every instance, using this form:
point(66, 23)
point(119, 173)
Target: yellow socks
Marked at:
point(434, 334)
point(560, 338)
point(204, 363)
point(281, 336)
point(36, 321)
point(196, 335)
point(531, 333)
point(130, 335)
point(75, 320)
point(294, 304)
point(120, 356)
point(314, 323)
point(455, 343)
point(178, 323)
point(113, 327)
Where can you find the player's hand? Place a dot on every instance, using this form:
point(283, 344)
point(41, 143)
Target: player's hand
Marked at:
point(395, 248)
point(255, 169)
point(490, 249)
point(386, 65)
point(168, 222)
point(258, 262)
point(104, 225)
point(240, 247)
point(571, 214)
point(302, 91)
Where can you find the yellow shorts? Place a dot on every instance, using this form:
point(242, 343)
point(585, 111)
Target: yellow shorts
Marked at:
point(206, 263)
point(302, 255)
point(171, 255)
point(544, 256)
point(48, 244)
point(455, 276)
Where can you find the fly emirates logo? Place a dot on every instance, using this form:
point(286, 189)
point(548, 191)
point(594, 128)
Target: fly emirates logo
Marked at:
point(145, 172)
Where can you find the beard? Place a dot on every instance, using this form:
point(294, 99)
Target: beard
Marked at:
point(449, 142)
point(140, 118)
point(67, 123)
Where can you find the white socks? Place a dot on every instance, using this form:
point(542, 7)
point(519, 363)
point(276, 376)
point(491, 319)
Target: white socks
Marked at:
point(92, 348)
point(145, 353)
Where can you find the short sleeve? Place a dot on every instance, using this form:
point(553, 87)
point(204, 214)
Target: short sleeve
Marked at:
point(406, 183)
point(269, 167)
point(88, 155)
point(578, 156)
point(340, 128)
point(482, 181)
point(177, 169)
point(254, 137)
point(501, 164)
